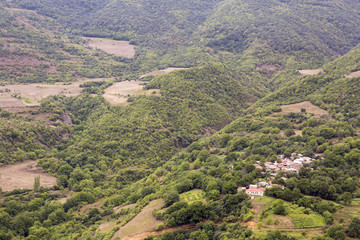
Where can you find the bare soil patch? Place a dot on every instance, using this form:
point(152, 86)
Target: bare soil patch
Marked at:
point(353, 74)
point(267, 67)
point(308, 106)
point(22, 175)
point(7, 101)
point(119, 92)
point(311, 71)
point(160, 72)
point(31, 94)
point(143, 222)
point(64, 199)
point(107, 226)
point(97, 205)
point(118, 48)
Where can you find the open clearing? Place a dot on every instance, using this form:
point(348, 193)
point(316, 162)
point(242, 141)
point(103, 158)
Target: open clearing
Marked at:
point(88, 207)
point(22, 175)
point(22, 96)
point(346, 214)
point(118, 48)
point(143, 222)
point(353, 74)
point(31, 94)
point(160, 72)
point(311, 72)
point(119, 92)
point(308, 106)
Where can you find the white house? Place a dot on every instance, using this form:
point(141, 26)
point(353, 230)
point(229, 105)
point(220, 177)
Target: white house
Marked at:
point(255, 192)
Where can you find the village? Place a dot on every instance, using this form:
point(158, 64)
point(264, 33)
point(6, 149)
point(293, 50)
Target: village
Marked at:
point(285, 164)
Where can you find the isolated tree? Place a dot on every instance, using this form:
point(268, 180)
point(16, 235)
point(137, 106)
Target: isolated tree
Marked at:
point(37, 184)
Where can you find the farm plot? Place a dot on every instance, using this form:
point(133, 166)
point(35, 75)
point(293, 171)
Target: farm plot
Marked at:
point(311, 71)
point(119, 92)
point(308, 106)
point(143, 222)
point(353, 74)
point(117, 48)
point(22, 175)
point(18, 95)
point(159, 72)
point(307, 221)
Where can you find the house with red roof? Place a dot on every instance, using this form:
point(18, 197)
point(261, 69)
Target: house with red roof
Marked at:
point(254, 192)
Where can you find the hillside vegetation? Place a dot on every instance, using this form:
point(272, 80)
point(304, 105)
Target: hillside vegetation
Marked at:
point(182, 151)
point(34, 48)
point(244, 34)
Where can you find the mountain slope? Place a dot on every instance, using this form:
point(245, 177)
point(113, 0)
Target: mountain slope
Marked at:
point(282, 33)
point(331, 90)
point(34, 48)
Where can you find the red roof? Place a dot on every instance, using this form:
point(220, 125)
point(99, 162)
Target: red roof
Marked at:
point(254, 190)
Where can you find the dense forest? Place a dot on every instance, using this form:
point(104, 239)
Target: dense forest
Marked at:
point(183, 159)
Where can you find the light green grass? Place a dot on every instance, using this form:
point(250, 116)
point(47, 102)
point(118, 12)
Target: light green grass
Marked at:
point(193, 195)
point(266, 201)
point(307, 221)
point(355, 202)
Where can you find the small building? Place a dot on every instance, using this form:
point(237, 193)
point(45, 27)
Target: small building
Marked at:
point(253, 186)
point(275, 185)
point(241, 188)
point(255, 192)
point(262, 184)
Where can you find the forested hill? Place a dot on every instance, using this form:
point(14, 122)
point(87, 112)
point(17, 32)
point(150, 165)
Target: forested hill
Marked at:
point(127, 18)
point(34, 48)
point(152, 128)
point(335, 90)
point(287, 33)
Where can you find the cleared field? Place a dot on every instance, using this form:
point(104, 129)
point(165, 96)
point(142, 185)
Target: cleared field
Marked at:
point(311, 71)
point(86, 208)
point(119, 92)
point(143, 222)
point(159, 72)
point(19, 96)
point(353, 74)
point(31, 94)
point(118, 48)
point(307, 221)
point(267, 67)
point(346, 214)
point(22, 175)
point(308, 106)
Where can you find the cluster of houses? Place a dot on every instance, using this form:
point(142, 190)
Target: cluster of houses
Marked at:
point(290, 165)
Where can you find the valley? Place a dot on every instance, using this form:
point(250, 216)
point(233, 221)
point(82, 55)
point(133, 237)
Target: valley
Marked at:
point(187, 119)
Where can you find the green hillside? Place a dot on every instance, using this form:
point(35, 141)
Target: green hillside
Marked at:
point(174, 160)
point(331, 91)
point(34, 48)
point(244, 34)
point(152, 128)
